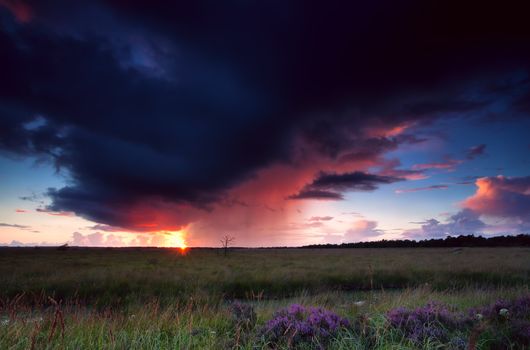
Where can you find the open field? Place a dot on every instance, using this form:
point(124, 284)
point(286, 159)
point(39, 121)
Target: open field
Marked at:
point(159, 298)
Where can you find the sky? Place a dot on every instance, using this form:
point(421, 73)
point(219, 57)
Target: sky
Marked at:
point(279, 123)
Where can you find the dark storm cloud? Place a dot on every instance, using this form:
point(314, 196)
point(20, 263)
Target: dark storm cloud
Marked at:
point(181, 102)
point(475, 151)
point(3, 224)
point(317, 194)
point(356, 181)
point(330, 186)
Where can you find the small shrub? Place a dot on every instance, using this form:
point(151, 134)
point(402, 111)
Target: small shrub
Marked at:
point(432, 322)
point(515, 309)
point(243, 315)
point(298, 326)
point(63, 247)
point(365, 331)
point(506, 324)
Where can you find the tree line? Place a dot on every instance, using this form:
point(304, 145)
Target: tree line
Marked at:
point(522, 240)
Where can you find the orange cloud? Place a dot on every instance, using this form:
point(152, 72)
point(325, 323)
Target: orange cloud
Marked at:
point(154, 214)
point(388, 130)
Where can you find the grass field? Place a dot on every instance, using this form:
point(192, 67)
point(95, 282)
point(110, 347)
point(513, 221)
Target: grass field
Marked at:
point(160, 298)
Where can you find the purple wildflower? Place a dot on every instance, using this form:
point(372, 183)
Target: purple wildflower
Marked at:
point(297, 324)
point(517, 309)
point(508, 322)
point(243, 315)
point(433, 321)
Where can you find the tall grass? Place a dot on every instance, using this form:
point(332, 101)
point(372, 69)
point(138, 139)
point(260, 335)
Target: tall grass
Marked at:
point(160, 299)
point(119, 276)
point(194, 325)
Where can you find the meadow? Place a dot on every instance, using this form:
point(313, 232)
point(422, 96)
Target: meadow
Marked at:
point(146, 298)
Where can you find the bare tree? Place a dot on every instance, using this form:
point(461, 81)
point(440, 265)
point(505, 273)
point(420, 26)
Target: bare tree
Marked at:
point(63, 247)
point(225, 243)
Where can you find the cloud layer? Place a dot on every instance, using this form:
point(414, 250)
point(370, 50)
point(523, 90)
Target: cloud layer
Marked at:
point(464, 222)
point(164, 115)
point(329, 186)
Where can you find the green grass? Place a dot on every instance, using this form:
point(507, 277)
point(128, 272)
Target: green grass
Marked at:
point(160, 299)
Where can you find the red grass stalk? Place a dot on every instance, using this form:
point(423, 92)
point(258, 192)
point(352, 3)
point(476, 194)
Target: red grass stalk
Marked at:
point(473, 338)
point(36, 331)
point(58, 318)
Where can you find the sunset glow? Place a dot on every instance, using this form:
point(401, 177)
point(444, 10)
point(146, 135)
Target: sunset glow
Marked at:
point(176, 239)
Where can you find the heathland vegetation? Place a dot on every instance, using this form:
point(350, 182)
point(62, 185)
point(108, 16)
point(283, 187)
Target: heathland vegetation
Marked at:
point(391, 298)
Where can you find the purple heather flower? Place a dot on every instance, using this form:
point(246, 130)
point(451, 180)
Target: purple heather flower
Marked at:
point(516, 309)
point(433, 321)
point(297, 324)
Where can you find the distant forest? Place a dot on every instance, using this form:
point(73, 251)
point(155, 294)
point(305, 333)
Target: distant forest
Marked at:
point(522, 240)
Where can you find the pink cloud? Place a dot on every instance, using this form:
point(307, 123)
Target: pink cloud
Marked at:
point(361, 230)
point(141, 241)
point(352, 213)
point(501, 196)
point(99, 239)
point(158, 240)
point(90, 240)
point(106, 228)
point(321, 218)
point(388, 130)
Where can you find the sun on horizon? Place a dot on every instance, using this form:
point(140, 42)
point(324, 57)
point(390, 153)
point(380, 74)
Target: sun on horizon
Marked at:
point(176, 239)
